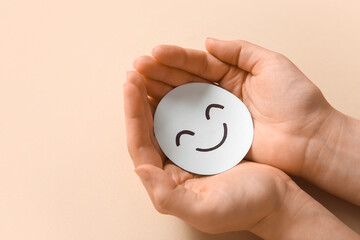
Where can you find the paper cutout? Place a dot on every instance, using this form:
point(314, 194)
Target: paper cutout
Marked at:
point(203, 128)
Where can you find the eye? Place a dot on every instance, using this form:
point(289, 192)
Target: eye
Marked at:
point(207, 111)
point(177, 139)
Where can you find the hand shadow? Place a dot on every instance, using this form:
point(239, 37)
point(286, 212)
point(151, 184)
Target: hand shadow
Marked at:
point(347, 212)
point(194, 234)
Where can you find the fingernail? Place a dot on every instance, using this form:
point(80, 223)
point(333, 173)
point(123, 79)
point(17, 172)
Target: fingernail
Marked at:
point(155, 50)
point(211, 39)
point(136, 63)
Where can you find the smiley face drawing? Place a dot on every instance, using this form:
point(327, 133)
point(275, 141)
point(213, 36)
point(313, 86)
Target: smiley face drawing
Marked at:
point(203, 128)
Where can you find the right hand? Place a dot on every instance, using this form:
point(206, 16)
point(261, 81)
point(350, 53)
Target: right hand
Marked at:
point(288, 110)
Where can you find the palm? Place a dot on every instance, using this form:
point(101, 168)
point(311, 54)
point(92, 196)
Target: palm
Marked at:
point(286, 107)
point(233, 200)
point(236, 199)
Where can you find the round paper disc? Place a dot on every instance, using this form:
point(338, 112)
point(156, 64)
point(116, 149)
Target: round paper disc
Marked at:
point(203, 128)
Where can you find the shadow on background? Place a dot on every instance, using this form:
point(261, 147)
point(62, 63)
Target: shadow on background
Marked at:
point(194, 234)
point(347, 212)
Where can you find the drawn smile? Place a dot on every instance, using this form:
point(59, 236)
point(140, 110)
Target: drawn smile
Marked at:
point(191, 133)
point(216, 146)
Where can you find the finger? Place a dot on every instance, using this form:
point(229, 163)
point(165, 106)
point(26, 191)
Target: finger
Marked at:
point(150, 68)
point(138, 81)
point(138, 123)
point(152, 107)
point(197, 62)
point(167, 196)
point(233, 81)
point(245, 55)
point(156, 89)
point(149, 110)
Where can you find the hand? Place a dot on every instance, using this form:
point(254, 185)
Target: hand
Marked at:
point(234, 200)
point(249, 196)
point(287, 108)
point(295, 128)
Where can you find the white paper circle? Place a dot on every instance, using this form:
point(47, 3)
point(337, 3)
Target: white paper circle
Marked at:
point(203, 128)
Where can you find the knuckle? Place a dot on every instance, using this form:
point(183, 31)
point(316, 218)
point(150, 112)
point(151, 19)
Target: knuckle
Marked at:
point(205, 63)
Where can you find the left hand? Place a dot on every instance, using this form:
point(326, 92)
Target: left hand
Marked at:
point(233, 200)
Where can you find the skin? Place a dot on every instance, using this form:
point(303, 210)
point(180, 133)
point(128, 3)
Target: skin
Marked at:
point(218, 203)
point(295, 128)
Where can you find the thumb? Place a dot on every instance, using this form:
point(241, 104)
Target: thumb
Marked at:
point(166, 196)
point(243, 54)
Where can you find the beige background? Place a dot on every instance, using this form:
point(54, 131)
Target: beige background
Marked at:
point(64, 168)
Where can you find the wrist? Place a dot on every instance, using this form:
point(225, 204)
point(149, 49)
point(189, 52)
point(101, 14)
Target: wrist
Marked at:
point(301, 217)
point(275, 224)
point(332, 160)
point(322, 142)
